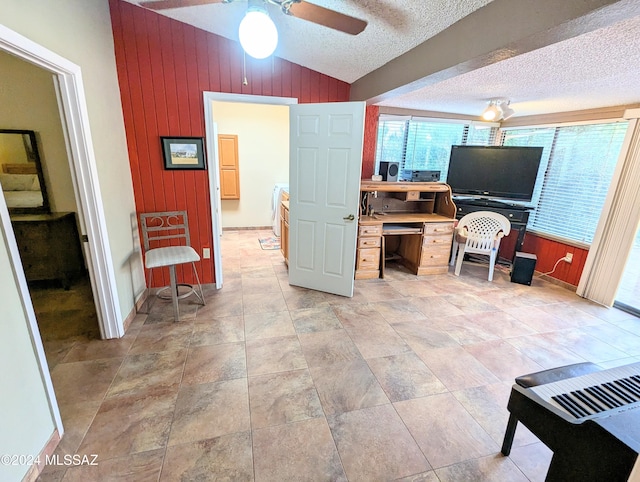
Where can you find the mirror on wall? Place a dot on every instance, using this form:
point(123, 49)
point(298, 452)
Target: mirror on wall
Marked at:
point(21, 172)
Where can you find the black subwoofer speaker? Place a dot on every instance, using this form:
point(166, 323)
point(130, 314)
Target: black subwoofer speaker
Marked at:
point(524, 264)
point(389, 171)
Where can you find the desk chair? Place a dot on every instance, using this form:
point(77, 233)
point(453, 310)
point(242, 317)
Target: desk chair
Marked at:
point(167, 243)
point(479, 232)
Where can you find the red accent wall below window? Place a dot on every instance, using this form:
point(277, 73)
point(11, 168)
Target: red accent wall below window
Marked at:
point(164, 66)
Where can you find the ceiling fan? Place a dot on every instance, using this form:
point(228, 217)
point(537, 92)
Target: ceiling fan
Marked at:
point(295, 8)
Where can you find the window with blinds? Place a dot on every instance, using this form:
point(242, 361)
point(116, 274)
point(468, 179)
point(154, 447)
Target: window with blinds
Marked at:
point(575, 173)
point(425, 144)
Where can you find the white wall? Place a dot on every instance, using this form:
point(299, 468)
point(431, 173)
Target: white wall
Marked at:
point(80, 31)
point(25, 417)
point(29, 102)
point(263, 150)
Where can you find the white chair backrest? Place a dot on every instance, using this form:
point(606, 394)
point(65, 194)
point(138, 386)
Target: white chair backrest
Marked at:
point(163, 228)
point(483, 229)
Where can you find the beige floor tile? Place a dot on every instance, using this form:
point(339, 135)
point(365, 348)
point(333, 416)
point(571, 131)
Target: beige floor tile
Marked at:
point(281, 398)
point(304, 451)
point(487, 405)
point(374, 444)
point(405, 376)
point(444, 430)
point(214, 363)
point(435, 307)
point(347, 386)
point(457, 368)
point(423, 335)
point(223, 458)
point(533, 460)
point(328, 347)
point(149, 371)
point(263, 303)
point(268, 325)
point(141, 467)
point(494, 468)
point(217, 331)
point(502, 359)
point(311, 320)
point(178, 393)
point(544, 352)
point(221, 306)
point(198, 409)
point(130, 424)
point(272, 355)
point(162, 337)
point(84, 381)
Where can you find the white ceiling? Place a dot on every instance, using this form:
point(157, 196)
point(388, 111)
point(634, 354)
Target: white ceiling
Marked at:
point(597, 69)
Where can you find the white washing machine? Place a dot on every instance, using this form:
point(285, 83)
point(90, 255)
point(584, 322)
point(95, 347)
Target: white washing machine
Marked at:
point(275, 206)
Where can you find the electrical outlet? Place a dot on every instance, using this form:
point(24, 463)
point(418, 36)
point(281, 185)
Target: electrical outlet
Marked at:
point(568, 257)
point(206, 253)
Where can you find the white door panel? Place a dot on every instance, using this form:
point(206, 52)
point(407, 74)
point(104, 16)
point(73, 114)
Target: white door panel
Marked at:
point(325, 167)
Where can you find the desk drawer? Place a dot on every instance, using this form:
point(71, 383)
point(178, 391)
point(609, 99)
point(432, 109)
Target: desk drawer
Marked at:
point(438, 228)
point(368, 258)
point(366, 242)
point(435, 257)
point(370, 230)
point(434, 242)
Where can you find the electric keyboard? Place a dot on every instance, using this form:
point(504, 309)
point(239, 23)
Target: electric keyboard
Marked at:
point(590, 422)
point(594, 395)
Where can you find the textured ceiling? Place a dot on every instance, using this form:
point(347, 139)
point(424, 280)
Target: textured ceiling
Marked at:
point(597, 69)
point(393, 28)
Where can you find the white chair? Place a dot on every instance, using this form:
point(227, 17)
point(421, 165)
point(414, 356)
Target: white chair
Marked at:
point(167, 243)
point(479, 233)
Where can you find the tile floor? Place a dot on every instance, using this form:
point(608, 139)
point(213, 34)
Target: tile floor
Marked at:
point(407, 380)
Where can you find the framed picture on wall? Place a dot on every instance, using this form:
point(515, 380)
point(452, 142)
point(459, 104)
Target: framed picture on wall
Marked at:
point(183, 152)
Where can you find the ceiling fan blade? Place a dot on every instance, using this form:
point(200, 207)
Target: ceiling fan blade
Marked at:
point(328, 18)
point(162, 4)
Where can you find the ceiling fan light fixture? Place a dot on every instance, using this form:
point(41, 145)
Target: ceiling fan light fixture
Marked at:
point(257, 32)
point(491, 112)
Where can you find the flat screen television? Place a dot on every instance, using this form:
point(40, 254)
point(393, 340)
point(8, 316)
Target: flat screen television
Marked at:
point(500, 172)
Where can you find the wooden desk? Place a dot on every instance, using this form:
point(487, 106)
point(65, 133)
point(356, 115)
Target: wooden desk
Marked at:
point(411, 222)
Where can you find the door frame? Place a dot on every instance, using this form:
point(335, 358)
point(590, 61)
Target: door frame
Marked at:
point(211, 134)
point(75, 122)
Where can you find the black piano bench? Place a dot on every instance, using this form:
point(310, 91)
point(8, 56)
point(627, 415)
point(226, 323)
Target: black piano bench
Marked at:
point(542, 378)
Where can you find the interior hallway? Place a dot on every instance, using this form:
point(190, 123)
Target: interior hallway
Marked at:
point(407, 380)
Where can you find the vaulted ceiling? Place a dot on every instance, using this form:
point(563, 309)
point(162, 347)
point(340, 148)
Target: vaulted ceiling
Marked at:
point(454, 56)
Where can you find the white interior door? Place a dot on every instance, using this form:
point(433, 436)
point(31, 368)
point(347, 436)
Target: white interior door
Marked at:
point(324, 183)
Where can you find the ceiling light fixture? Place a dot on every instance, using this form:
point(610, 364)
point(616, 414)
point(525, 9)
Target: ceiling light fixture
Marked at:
point(257, 32)
point(491, 112)
point(498, 110)
point(506, 110)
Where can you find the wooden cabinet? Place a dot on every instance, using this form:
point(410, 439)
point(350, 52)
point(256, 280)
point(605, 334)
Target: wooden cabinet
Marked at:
point(49, 246)
point(369, 248)
point(229, 166)
point(414, 223)
point(284, 228)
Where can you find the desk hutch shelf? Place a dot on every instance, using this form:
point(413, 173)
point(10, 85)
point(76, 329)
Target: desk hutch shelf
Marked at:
point(411, 222)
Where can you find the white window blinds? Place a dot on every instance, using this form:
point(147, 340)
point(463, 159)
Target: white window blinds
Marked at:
point(425, 144)
point(576, 170)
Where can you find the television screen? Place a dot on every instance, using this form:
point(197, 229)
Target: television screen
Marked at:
point(503, 172)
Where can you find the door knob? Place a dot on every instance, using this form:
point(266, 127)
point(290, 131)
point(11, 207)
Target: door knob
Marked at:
point(350, 217)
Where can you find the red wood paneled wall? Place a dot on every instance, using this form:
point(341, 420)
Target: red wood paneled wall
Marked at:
point(370, 137)
point(164, 66)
